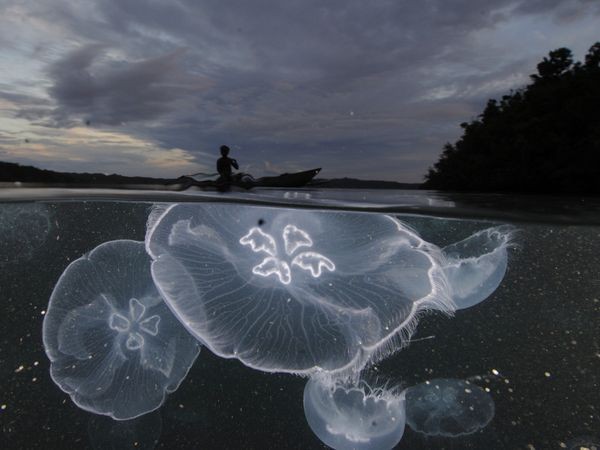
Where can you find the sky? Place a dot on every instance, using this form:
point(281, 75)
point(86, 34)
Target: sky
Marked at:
point(364, 89)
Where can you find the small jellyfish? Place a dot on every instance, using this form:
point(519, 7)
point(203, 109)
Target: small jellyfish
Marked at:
point(24, 228)
point(448, 407)
point(114, 346)
point(353, 416)
point(476, 265)
point(297, 291)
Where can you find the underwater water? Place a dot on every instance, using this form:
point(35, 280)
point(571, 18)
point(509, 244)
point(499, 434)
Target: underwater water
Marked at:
point(298, 319)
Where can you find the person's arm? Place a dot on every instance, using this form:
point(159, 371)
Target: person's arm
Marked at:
point(235, 164)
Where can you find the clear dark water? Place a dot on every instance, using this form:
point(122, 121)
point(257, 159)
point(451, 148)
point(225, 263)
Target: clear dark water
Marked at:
point(534, 345)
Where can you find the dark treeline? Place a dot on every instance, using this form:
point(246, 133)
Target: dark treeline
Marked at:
point(544, 138)
point(12, 172)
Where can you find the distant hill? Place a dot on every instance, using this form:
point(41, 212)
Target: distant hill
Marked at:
point(11, 172)
point(32, 176)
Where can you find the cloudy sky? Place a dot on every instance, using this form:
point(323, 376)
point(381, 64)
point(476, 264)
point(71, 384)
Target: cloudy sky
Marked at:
point(368, 89)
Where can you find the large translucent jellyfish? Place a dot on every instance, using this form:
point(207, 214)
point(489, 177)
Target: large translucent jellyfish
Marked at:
point(294, 290)
point(448, 407)
point(114, 346)
point(476, 265)
point(24, 227)
point(354, 416)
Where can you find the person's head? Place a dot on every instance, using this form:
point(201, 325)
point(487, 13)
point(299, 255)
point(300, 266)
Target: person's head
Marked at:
point(224, 150)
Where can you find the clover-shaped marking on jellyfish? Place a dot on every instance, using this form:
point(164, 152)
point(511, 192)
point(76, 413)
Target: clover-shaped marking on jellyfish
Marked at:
point(136, 325)
point(293, 239)
point(114, 345)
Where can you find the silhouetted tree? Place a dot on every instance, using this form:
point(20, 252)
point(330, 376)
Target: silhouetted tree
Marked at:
point(543, 138)
point(558, 63)
point(592, 59)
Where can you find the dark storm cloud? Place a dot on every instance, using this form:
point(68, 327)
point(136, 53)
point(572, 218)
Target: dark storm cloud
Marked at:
point(118, 92)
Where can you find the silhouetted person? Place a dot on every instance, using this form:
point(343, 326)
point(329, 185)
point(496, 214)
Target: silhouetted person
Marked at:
point(225, 163)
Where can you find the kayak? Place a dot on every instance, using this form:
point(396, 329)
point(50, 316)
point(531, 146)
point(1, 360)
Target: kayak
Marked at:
point(297, 179)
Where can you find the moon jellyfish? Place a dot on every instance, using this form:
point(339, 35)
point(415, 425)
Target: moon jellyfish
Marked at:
point(448, 407)
point(354, 416)
point(475, 266)
point(24, 227)
point(296, 291)
point(114, 346)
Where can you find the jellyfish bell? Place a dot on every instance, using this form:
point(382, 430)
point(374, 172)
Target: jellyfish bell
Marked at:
point(448, 407)
point(297, 291)
point(476, 265)
point(353, 416)
point(114, 346)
